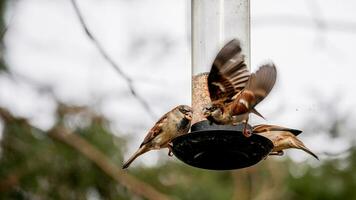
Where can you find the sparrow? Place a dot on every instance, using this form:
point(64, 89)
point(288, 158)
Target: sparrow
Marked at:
point(282, 138)
point(234, 91)
point(172, 124)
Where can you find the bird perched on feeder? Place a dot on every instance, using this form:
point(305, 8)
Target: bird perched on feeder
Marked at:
point(282, 138)
point(234, 91)
point(174, 123)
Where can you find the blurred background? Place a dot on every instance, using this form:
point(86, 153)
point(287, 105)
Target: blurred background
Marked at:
point(81, 83)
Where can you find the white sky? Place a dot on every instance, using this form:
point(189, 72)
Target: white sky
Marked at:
point(150, 40)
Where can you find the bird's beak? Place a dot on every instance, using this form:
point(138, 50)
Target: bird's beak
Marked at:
point(188, 116)
point(206, 112)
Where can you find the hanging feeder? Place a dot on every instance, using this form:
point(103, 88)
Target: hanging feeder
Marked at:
point(211, 146)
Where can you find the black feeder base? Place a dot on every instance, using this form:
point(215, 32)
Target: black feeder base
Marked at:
point(220, 147)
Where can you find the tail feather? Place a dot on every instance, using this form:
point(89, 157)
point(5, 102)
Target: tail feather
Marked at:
point(139, 152)
point(295, 132)
point(264, 127)
point(299, 144)
point(254, 111)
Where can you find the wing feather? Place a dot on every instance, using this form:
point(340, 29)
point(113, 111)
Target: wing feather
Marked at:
point(229, 73)
point(262, 81)
point(155, 130)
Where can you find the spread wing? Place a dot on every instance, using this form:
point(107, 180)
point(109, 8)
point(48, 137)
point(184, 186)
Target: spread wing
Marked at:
point(229, 73)
point(262, 81)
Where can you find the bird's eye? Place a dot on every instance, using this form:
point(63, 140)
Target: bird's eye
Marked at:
point(184, 111)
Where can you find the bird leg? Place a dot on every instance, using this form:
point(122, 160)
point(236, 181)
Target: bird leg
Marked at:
point(170, 146)
point(278, 153)
point(246, 132)
point(234, 120)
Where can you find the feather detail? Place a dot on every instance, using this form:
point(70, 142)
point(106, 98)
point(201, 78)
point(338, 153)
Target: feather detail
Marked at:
point(265, 128)
point(174, 123)
point(300, 145)
point(254, 111)
point(140, 151)
point(262, 81)
point(229, 73)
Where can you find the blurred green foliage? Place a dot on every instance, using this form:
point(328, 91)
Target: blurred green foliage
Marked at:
point(33, 165)
point(185, 182)
point(333, 179)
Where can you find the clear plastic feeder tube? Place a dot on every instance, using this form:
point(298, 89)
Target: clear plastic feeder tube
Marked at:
point(215, 23)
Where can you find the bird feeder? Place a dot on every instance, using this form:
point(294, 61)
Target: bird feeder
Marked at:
point(211, 146)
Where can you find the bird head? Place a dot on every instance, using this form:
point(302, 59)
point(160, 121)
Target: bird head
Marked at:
point(211, 110)
point(186, 111)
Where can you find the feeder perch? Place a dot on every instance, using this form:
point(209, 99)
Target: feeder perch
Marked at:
point(211, 146)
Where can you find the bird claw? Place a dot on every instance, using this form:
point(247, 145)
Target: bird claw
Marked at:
point(246, 132)
point(170, 153)
point(278, 153)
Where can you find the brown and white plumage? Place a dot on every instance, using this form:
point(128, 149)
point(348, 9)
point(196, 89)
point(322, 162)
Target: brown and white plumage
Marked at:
point(282, 138)
point(261, 82)
point(174, 123)
point(229, 73)
point(235, 92)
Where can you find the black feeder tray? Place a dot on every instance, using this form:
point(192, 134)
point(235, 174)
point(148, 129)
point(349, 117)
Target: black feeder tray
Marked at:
point(220, 147)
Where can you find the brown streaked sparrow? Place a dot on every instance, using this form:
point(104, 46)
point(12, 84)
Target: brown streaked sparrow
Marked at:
point(282, 138)
point(235, 92)
point(174, 123)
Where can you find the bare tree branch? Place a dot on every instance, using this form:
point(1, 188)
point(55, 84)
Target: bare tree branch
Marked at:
point(337, 154)
point(319, 21)
point(317, 16)
point(3, 32)
point(106, 56)
point(9, 23)
point(303, 22)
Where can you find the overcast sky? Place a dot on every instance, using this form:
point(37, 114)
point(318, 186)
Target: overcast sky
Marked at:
point(311, 42)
